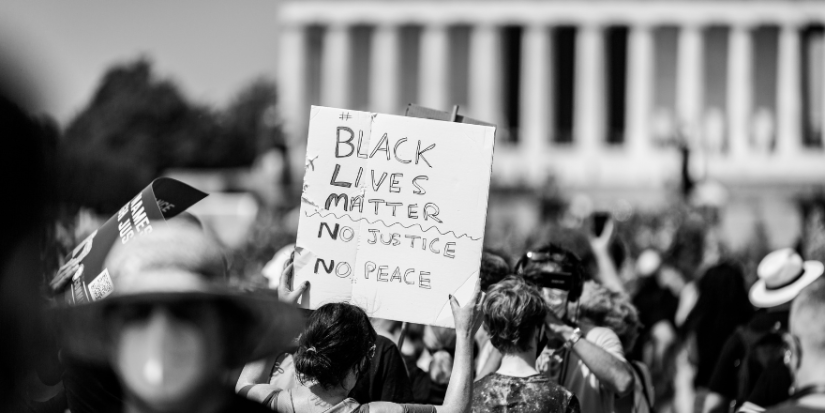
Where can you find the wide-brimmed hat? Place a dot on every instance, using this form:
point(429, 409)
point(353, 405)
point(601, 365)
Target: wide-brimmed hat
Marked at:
point(177, 263)
point(782, 276)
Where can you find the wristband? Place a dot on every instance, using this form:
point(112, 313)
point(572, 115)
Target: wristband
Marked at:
point(574, 338)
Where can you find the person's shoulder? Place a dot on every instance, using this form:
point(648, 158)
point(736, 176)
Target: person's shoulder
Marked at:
point(599, 332)
point(793, 407)
point(604, 337)
point(384, 345)
point(481, 384)
point(553, 389)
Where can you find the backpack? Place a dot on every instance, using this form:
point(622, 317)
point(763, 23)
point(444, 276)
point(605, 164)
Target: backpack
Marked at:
point(642, 389)
point(762, 348)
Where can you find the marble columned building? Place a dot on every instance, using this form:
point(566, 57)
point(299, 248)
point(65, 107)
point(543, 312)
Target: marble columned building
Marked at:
point(596, 93)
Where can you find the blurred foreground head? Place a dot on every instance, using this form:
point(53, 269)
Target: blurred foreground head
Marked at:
point(24, 168)
point(807, 325)
point(172, 327)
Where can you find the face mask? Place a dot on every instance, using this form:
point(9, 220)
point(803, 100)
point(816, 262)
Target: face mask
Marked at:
point(556, 300)
point(161, 359)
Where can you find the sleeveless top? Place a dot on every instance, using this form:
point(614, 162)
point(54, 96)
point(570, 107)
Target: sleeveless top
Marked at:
point(279, 402)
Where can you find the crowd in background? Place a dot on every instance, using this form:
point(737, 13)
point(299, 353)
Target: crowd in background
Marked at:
point(574, 318)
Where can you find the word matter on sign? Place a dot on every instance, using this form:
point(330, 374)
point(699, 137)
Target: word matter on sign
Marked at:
point(392, 213)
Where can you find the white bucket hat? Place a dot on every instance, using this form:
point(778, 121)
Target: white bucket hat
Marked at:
point(782, 276)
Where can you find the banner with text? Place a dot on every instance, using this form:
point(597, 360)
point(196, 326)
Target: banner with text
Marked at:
point(83, 271)
point(392, 213)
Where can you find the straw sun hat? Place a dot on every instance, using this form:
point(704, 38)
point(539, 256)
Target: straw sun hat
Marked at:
point(782, 276)
point(178, 264)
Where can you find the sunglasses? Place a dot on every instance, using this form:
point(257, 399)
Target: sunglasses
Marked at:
point(189, 311)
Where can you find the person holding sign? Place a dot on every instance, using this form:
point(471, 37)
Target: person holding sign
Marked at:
point(336, 348)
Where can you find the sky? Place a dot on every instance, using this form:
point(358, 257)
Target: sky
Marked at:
point(58, 50)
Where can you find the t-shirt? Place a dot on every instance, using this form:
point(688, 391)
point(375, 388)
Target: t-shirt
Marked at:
point(282, 374)
point(282, 401)
point(593, 397)
point(498, 393)
point(387, 379)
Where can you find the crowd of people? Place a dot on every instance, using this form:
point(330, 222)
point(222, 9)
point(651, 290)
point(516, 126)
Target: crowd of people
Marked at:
point(548, 331)
point(546, 334)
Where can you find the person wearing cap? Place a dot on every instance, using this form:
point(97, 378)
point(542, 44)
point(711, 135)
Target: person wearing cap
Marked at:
point(172, 329)
point(782, 276)
point(588, 360)
point(806, 353)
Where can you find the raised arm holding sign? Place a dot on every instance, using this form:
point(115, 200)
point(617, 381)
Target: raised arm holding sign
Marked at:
point(393, 213)
point(84, 273)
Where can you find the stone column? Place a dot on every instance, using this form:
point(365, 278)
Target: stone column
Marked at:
point(485, 66)
point(433, 68)
point(740, 63)
point(335, 71)
point(788, 92)
point(822, 95)
point(292, 103)
point(535, 98)
point(689, 82)
point(639, 89)
point(384, 69)
point(589, 111)
point(291, 81)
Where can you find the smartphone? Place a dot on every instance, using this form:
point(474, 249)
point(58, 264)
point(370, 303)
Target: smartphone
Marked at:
point(599, 220)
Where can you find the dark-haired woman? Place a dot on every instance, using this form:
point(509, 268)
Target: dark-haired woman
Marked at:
point(514, 311)
point(335, 349)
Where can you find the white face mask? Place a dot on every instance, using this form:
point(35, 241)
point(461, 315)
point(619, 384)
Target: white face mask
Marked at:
point(160, 359)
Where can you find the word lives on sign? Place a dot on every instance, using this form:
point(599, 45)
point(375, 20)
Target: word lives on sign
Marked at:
point(392, 213)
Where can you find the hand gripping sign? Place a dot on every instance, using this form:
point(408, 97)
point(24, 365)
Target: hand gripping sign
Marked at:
point(83, 271)
point(392, 213)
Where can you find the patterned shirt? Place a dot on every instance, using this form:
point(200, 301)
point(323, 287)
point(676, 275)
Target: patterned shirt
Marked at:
point(498, 393)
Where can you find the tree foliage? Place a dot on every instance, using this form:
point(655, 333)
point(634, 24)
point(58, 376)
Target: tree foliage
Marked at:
point(137, 125)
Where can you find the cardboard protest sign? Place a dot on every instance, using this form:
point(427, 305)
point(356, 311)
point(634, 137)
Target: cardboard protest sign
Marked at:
point(89, 281)
point(392, 213)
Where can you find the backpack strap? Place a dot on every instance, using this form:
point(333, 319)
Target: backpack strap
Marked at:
point(640, 374)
